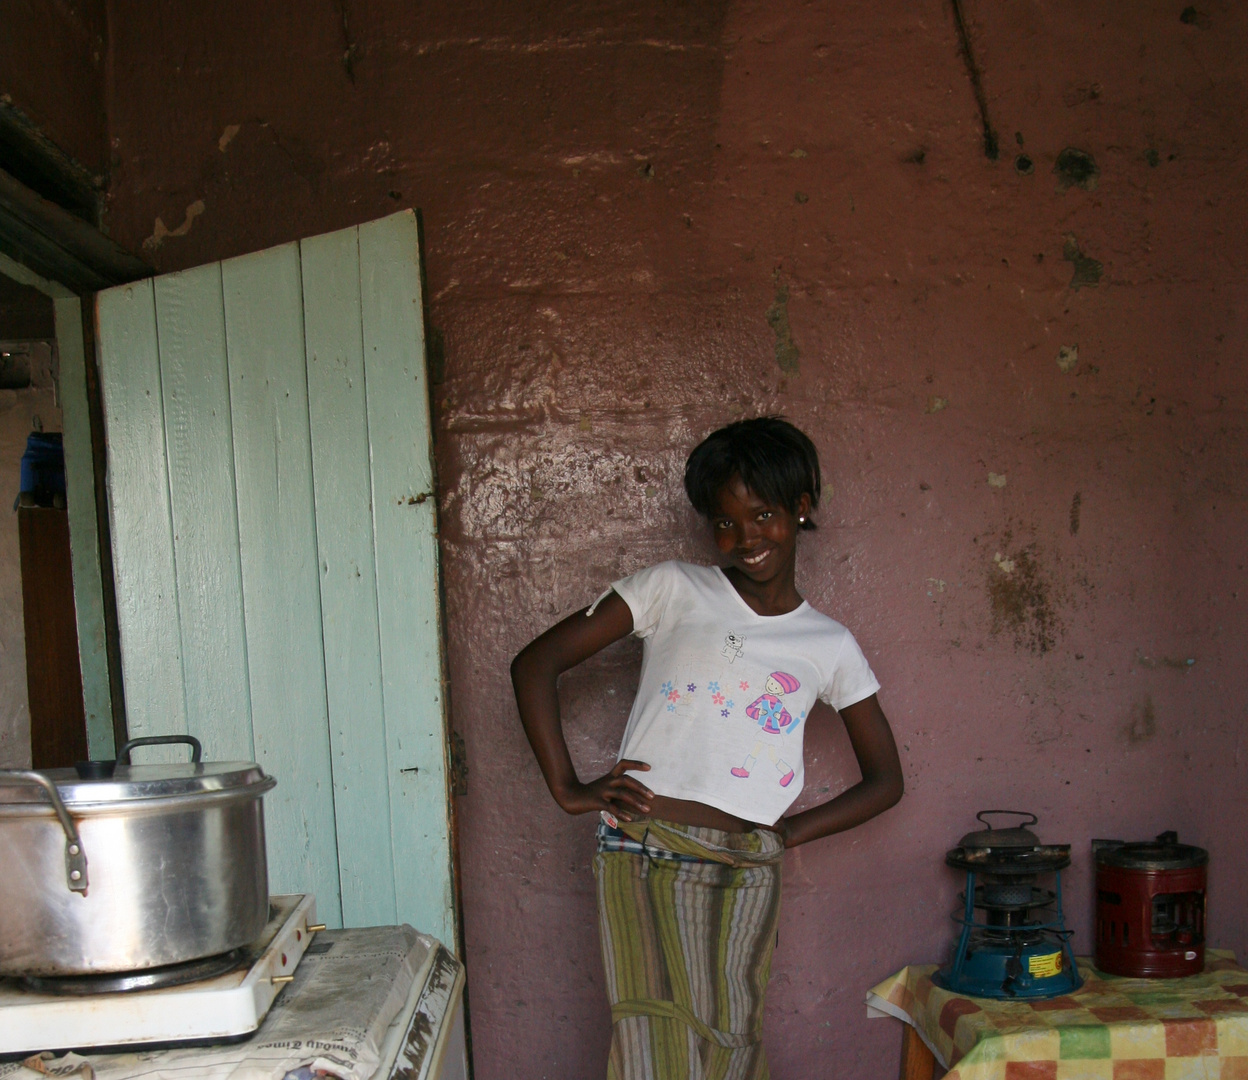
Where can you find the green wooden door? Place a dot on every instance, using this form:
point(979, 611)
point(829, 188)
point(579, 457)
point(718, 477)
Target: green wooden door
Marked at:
point(269, 462)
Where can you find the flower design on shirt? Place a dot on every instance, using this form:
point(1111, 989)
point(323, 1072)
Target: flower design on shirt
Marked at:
point(732, 704)
point(713, 687)
point(666, 688)
point(671, 708)
point(723, 712)
point(674, 696)
point(691, 687)
point(717, 698)
point(744, 685)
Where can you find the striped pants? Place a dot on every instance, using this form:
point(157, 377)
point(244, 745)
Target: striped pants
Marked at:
point(687, 918)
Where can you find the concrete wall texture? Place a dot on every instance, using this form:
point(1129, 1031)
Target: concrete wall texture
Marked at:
point(643, 219)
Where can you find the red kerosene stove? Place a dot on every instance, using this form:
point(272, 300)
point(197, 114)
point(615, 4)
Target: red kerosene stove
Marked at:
point(1150, 907)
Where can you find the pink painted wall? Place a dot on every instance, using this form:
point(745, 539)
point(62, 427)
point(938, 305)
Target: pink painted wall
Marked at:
point(628, 208)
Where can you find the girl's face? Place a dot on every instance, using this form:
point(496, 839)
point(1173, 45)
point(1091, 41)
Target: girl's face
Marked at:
point(758, 537)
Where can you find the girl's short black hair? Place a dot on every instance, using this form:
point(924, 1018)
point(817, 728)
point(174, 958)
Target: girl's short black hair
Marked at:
point(773, 458)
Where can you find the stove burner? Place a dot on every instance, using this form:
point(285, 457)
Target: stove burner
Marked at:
point(124, 981)
point(1026, 935)
point(1005, 895)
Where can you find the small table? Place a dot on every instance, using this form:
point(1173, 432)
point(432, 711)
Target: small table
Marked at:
point(1110, 1029)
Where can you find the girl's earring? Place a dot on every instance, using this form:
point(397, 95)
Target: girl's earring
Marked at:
point(801, 521)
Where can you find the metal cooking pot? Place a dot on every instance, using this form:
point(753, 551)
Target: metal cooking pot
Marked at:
point(130, 867)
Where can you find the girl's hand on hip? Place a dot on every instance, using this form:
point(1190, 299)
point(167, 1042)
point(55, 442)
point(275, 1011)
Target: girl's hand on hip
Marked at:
point(781, 829)
point(624, 796)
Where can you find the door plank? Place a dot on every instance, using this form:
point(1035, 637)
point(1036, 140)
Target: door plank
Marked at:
point(404, 524)
point(139, 512)
point(84, 533)
point(194, 379)
point(344, 532)
point(281, 589)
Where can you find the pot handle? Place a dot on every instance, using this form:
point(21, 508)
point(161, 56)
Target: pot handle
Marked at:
point(75, 857)
point(1016, 813)
point(197, 751)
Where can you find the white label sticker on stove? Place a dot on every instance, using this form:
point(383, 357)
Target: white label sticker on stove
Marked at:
point(1046, 966)
point(1190, 954)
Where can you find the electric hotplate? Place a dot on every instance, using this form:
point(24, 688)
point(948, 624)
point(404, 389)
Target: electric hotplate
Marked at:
point(76, 1015)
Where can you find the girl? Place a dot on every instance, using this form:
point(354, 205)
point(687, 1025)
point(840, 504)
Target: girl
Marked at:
point(688, 864)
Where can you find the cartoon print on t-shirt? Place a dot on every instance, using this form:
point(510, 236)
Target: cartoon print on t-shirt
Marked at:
point(719, 699)
point(734, 645)
point(770, 714)
point(684, 694)
point(669, 691)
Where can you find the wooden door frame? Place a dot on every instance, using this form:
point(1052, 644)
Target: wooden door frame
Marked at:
point(62, 254)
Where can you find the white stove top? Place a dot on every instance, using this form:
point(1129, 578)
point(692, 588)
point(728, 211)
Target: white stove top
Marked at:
point(220, 1008)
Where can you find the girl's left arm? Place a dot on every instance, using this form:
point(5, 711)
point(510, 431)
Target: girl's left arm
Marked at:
point(881, 785)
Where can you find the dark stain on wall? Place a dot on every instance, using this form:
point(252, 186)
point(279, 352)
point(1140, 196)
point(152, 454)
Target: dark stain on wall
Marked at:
point(1143, 723)
point(992, 146)
point(1021, 601)
point(1076, 168)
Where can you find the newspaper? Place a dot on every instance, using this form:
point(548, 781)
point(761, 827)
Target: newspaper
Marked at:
point(332, 1020)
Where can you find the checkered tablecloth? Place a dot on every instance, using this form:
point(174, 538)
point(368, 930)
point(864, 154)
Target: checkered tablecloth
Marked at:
point(1110, 1029)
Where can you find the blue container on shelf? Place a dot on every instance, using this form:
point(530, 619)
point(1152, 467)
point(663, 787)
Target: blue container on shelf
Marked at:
point(43, 468)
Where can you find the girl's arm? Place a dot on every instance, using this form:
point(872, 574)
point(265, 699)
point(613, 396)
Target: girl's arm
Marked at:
point(881, 785)
point(535, 674)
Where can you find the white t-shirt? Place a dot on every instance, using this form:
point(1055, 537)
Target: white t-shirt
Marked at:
point(725, 692)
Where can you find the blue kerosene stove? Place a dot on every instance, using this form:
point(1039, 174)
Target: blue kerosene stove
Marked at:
point(1021, 947)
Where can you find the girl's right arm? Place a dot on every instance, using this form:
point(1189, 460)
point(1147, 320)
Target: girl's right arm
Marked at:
point(535, 674)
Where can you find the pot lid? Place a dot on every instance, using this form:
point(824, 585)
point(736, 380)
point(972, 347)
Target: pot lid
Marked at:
point(996, 839)
point(130, 783)
point(1010, 861)
point(1164, 853)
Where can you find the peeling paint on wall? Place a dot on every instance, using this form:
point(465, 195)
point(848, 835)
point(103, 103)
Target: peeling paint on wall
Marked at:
point(1177, 663)
point(161, 231)
point(1087, 270)
point(778, 320)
